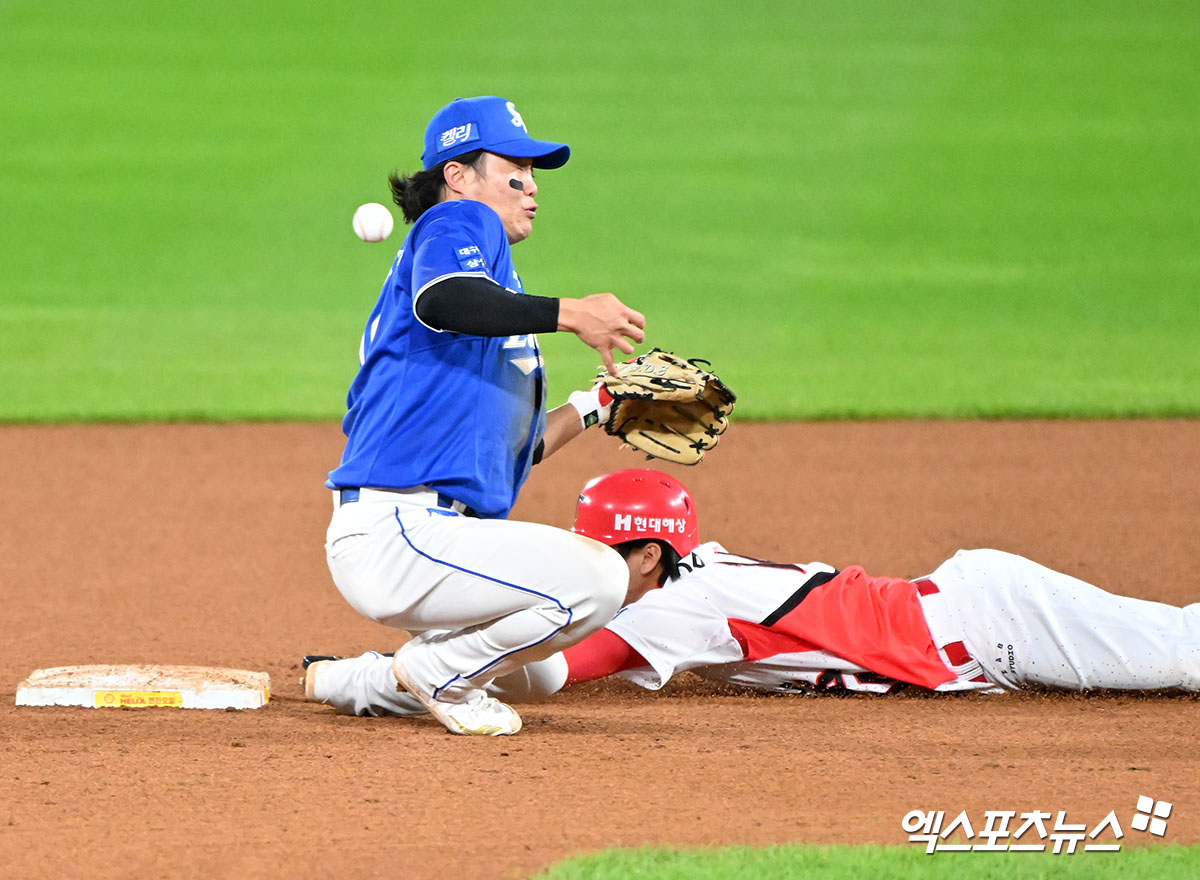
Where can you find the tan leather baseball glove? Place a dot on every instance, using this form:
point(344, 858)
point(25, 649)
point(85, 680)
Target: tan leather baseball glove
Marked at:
point(668, 407)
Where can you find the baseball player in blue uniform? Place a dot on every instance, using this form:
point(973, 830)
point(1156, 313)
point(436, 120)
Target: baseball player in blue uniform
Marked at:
point(446, 416)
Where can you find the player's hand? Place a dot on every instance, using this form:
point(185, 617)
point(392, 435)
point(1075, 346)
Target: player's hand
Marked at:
point(603, 322)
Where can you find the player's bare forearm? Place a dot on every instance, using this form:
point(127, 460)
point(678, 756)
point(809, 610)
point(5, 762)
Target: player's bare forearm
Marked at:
point(562, 426)
point(603, 322)
point(582, 410)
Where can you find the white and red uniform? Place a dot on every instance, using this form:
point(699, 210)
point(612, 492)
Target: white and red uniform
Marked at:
point(776, 626)
point(984, 620)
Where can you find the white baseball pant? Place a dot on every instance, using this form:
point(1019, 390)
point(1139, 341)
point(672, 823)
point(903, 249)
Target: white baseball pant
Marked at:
point(1028, 624)
point(484, 596)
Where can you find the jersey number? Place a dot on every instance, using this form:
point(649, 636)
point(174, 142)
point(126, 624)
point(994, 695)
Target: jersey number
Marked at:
point(528, 363)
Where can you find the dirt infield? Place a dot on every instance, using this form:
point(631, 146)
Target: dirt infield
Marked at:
point(203, 545)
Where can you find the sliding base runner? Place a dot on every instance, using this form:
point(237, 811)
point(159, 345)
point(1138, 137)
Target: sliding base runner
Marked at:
point(145, 687)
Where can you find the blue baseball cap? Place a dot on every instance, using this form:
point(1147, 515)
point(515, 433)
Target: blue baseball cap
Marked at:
point(486, 123)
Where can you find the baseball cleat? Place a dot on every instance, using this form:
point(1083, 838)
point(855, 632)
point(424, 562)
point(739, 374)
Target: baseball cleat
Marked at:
point(480, 715)
point(310, 663)
point(309, 659)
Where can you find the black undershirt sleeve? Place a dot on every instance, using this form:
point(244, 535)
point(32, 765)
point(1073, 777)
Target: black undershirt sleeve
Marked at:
point(481, 307)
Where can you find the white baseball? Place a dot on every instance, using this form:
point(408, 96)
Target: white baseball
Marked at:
point(372, 222)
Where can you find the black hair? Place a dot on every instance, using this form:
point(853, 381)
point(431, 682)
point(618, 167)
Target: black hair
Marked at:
point(670, 559)
point(416, 193)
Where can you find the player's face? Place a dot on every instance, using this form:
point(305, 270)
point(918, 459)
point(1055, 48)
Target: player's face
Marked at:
point(644, 572)
point(506, 186)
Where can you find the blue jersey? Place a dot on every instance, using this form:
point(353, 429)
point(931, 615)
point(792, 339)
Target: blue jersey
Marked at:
point(458, 413)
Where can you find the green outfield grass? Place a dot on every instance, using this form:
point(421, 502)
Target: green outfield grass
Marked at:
point(866, 209)
point(876, 863)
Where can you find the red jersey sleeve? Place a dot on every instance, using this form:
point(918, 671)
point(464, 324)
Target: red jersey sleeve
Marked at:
point(600, 654)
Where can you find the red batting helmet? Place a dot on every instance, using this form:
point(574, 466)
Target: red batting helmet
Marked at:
point(637, 504)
